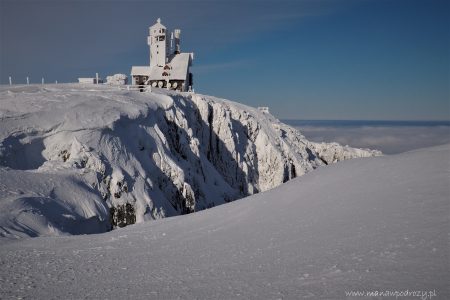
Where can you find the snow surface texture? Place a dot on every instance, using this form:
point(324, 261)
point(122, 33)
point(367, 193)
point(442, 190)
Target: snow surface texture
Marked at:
point(376, 224)
point(80, 158)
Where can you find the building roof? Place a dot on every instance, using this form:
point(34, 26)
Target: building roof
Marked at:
point(179, 67)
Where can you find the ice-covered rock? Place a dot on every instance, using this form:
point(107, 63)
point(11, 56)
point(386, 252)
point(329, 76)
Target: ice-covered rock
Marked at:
point(117, 79)
point(146, 155)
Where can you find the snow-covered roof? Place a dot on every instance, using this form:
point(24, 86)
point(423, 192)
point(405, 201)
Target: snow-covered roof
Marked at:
point(179, 68)
point(140, 70)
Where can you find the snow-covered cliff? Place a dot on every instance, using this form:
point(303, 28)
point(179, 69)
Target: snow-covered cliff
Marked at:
point(80, 159)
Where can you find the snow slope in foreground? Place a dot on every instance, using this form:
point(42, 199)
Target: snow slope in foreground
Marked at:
point(366, 224)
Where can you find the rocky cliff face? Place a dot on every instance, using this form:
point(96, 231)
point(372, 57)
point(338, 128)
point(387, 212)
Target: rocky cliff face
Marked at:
point(149, 155)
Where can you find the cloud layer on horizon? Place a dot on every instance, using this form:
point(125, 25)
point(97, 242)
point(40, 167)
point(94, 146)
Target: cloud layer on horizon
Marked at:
point(390, 140)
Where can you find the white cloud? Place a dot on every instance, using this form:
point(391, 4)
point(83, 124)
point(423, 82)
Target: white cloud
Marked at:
point(390, 140)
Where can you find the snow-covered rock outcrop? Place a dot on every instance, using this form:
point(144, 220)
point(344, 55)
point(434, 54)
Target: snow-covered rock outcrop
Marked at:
point(114, 157)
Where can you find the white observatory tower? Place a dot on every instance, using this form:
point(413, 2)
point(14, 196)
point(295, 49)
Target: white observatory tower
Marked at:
point(169, 68)
point(158, 42)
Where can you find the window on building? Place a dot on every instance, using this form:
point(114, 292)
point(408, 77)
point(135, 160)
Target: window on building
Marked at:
point(162, 38)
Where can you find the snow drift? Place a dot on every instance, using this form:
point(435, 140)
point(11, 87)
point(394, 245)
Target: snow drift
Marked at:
point(377, 224)
point(103, 156)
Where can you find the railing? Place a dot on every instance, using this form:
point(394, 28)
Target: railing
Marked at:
point(137, 88)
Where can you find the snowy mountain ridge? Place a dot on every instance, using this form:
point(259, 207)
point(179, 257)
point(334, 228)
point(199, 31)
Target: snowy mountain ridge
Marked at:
point(78, 159)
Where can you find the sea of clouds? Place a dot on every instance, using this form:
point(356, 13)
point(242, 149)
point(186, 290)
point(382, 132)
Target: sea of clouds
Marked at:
point(388, 139)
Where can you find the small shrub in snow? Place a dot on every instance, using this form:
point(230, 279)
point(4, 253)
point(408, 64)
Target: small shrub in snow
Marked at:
point(117, 79)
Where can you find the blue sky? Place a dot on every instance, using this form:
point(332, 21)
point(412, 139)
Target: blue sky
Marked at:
point(316, 59)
